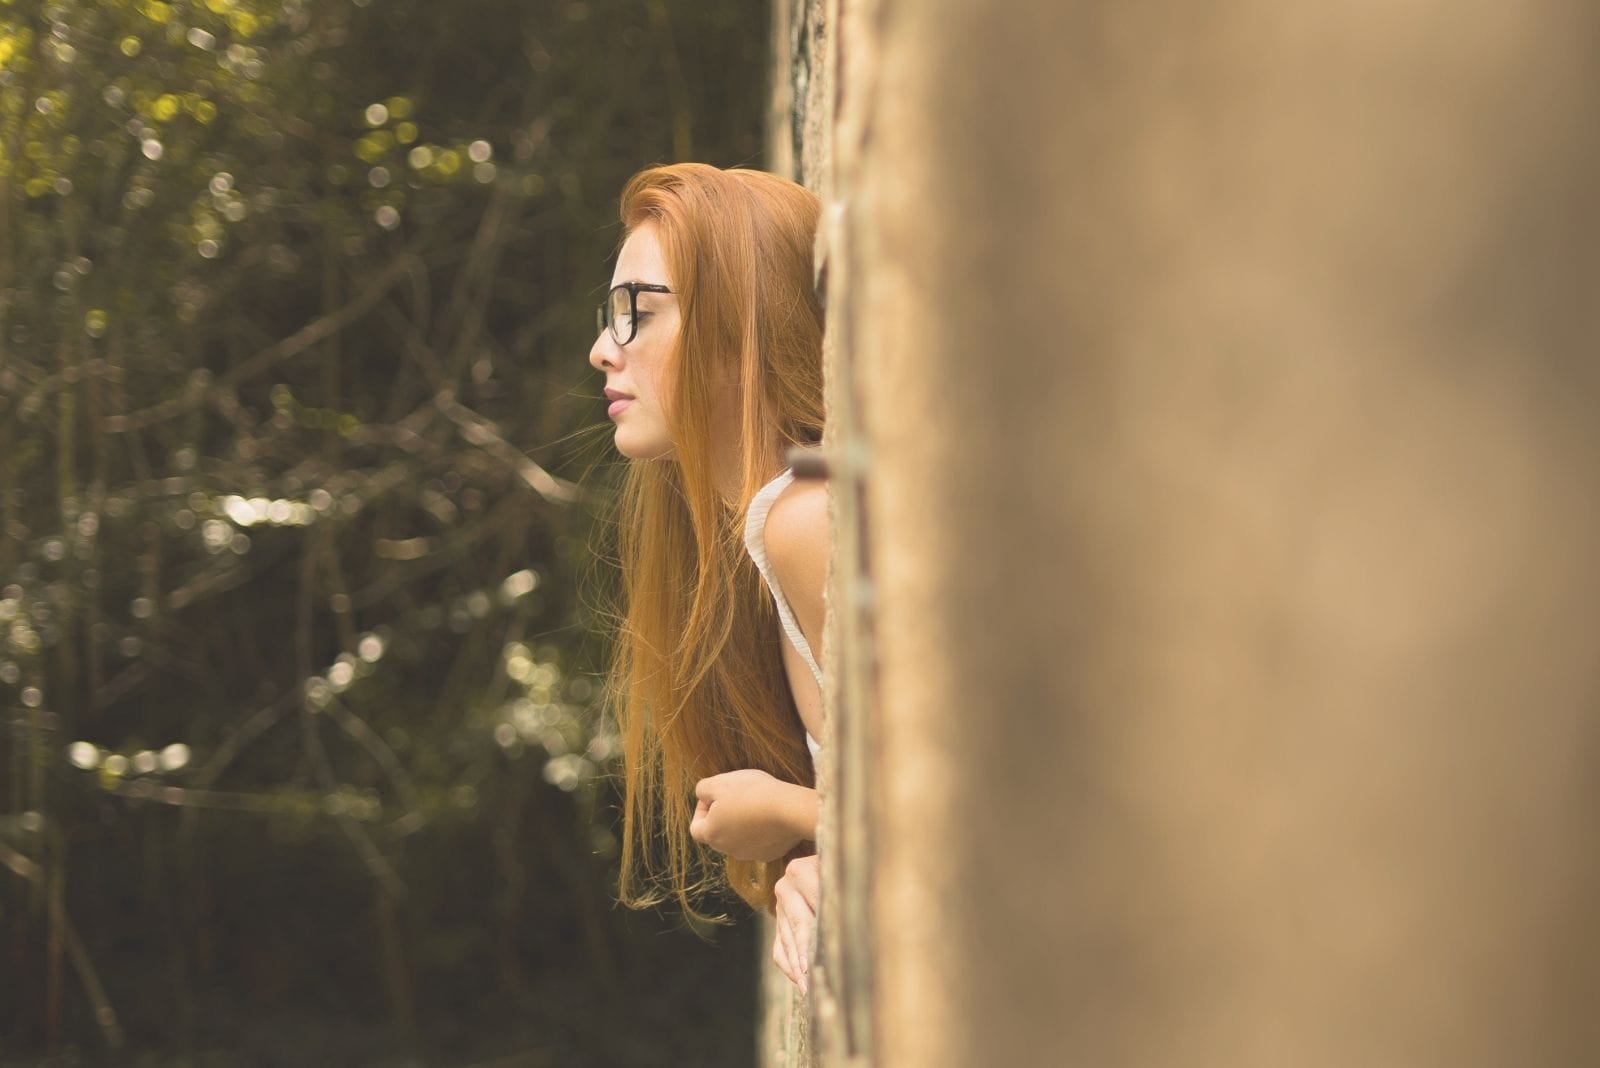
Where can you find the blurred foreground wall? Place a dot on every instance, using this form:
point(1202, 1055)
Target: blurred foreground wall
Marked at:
point(1219, 386)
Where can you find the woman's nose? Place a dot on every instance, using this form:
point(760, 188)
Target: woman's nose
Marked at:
point(605, 355)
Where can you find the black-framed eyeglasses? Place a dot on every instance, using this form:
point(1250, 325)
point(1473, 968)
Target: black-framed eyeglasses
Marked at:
point(620, 312)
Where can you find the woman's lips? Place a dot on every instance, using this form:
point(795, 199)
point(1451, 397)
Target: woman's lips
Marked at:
point(619, 400)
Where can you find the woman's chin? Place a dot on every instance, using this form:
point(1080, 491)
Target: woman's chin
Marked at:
point(636, 447)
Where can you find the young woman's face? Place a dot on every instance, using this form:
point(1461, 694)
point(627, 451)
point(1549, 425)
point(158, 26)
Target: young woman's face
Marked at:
point(637, 380)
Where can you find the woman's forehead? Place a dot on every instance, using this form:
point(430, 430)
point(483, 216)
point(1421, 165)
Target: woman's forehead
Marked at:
point(640, 259)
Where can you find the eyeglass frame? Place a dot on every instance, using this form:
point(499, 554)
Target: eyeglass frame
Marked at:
point(603, 324)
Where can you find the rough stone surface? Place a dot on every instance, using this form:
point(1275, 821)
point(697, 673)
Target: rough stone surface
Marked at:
point(796, 1031)
point(1211, 666)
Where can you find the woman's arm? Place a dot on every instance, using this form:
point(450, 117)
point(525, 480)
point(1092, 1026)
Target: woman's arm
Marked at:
point(797, 547)
point(749, 815)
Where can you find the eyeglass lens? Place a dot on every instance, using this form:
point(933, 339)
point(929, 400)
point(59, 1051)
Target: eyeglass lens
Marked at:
point(619, 314)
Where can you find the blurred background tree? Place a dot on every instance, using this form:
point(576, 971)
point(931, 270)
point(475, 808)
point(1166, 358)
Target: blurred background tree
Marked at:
point(301, 470)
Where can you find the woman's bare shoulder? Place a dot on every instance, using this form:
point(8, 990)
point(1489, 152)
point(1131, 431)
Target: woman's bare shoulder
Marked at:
point(797, 547)
point(797, 525)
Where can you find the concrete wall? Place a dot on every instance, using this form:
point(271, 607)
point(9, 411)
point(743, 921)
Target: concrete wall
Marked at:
point(1216, 430)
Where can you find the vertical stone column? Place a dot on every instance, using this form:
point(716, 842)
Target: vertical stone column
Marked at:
point(843, 979)
point(1227, 373)
point(798, 1032)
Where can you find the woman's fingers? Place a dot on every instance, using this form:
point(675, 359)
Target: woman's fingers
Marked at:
point(802, 880)
point(795, 922)
point(786, 927)
point(705, 792)
point(698, 828)
point(791, 966)
point(800, 928)
point(781, 957)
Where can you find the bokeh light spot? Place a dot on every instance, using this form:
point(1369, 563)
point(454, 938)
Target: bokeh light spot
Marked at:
point(518, 584)
point(340, 676)
point(318, 693)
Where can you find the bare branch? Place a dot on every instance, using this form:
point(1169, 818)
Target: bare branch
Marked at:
point(476, 430)
point(319, 329)
point(104, 1015)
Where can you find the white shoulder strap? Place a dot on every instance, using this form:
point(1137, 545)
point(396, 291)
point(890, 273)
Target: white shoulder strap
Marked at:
point(755, 542)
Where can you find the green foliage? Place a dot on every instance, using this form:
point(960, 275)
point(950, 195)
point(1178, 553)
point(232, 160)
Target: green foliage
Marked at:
point(296, 433)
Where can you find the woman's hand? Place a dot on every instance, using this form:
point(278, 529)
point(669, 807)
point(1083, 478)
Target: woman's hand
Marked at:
point(796, 895)
point(749, 815)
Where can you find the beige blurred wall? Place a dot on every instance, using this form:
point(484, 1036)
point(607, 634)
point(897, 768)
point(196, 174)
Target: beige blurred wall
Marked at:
point(1219, 393)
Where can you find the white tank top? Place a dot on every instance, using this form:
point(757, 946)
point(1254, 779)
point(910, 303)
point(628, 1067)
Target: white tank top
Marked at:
point(755, 542)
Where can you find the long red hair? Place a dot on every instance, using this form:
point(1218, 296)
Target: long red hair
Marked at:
point(698, 684)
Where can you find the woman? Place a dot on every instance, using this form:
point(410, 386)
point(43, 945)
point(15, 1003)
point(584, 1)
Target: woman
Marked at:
point(710, 344)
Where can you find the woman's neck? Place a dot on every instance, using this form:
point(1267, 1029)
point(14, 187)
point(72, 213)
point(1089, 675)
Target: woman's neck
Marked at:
point(728, 474)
